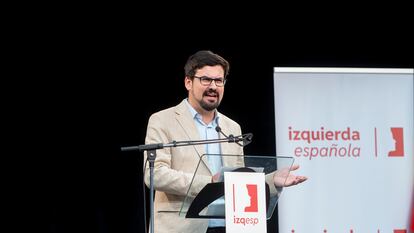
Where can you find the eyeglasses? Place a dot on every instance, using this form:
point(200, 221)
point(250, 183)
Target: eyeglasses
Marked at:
point(206, 81)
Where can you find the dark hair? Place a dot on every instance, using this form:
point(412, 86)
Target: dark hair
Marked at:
point(204, 58)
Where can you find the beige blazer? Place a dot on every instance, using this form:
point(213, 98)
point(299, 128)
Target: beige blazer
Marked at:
point(174, 166)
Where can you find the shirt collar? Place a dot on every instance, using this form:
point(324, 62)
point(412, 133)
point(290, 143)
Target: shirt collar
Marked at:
point(197, 115)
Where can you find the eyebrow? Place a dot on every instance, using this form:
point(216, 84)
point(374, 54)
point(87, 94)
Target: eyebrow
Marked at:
point(207, 77)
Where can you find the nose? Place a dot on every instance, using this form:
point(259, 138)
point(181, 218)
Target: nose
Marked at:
point(211, 83)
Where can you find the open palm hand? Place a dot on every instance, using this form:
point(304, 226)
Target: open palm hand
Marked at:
point(284, 178)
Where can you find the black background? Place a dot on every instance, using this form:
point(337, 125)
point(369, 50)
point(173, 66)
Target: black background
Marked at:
point(104, 79)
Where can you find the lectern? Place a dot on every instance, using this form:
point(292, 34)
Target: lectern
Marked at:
point(207, 200)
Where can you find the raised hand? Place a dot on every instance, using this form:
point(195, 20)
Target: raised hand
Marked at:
point(280, 179)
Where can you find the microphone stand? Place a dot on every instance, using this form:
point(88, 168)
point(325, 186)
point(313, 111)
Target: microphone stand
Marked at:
point(151, 155)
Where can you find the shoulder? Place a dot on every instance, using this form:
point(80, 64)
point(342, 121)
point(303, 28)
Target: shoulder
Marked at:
point(162, 115)
point(168, 112)
point(163, 112)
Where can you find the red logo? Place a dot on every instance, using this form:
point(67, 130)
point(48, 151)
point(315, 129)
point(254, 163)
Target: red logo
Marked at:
point(252, 192)
point(400, 231)
point(249, 202)
point(397, 135)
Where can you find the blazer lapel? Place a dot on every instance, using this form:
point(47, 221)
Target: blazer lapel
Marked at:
point(233, 151)
point(186, 122)
point(225, 146)
point(225, 150)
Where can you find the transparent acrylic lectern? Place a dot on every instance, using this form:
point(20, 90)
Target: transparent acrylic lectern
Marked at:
point(205, 199)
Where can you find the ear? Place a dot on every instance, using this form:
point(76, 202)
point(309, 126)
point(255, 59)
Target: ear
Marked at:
point(188, 83)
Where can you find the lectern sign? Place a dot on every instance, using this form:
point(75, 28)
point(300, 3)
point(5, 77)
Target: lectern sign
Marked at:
point(245, 202)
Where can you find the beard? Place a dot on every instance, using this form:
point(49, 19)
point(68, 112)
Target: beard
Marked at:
point(209, 106)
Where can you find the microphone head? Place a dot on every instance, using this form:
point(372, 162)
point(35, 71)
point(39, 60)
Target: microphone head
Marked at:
point(218, 129)
point(247, 139)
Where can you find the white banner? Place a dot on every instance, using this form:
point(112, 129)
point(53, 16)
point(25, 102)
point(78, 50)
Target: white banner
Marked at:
point(351, 131)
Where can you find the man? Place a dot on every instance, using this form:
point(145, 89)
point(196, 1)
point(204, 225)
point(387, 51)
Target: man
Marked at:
point(195, 118)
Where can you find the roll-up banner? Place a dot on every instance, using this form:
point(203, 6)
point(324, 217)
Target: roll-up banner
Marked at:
point(351, 132)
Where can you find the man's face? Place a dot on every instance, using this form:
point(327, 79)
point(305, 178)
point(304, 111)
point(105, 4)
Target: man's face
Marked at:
point(205, 97)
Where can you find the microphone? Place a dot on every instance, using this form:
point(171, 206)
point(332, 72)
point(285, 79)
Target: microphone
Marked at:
point(247, 138)
point(230, 137)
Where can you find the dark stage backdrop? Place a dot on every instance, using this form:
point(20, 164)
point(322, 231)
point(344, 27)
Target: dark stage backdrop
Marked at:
point(106, 89)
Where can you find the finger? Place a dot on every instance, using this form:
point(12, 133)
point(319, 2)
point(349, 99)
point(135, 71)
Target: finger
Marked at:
point(302, 179)
point(294, 167)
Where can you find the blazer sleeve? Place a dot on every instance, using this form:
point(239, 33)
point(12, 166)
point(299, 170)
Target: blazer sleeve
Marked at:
point(167, 179)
